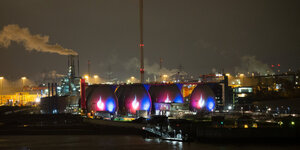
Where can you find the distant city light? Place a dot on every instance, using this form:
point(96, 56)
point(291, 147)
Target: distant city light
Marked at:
point(23, 78)
point(254, 125)
point(292, 123)
point(218, 74)
point(38, 99)
point(96, 76)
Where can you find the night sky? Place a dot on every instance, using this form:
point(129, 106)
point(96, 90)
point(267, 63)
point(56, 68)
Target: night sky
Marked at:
point(202, 36)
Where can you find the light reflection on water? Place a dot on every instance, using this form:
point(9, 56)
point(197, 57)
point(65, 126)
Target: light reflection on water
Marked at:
point(132, 142)
point(174, 144)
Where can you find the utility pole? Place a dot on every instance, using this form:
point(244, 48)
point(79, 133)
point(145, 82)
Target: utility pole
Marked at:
point(141, 40)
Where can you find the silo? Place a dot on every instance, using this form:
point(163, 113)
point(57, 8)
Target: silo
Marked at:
point(101, 98)
point(133, 98)
point(202, 98)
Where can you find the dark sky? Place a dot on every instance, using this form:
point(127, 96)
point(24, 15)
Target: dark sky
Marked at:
point(199, 35)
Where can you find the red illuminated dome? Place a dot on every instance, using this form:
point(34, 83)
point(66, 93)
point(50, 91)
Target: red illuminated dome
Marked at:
point(101, 98)
point(202, 98)
point(165, 93)
point(133, 98)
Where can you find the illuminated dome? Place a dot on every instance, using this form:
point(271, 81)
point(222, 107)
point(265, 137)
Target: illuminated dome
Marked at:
point(101, 98)
point(165, 93)
point(202, 98)
point(132, 98)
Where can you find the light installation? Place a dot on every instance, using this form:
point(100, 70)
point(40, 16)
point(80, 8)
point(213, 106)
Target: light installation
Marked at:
point(101, 98)
point(201, 102)
point(167, 100)
point(134, 98)
point(100, 104)
point(146, 103)
point(166, 94)
point(210, 104)
point(108, 105)
point(202, 99)
point(135, 104)
point(143, 103)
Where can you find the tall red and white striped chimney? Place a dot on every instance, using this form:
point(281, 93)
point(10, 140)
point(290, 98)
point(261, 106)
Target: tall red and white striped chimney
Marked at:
point(141, 40)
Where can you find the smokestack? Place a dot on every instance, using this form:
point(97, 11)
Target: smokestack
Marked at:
point(52, 89)
point(82, 94)
point(89, 68)
point(71, 65)
point(142, 70)
point(160, 67)
point(55, 89)
point(160, 63)
point(78, 66)
point(48, 89)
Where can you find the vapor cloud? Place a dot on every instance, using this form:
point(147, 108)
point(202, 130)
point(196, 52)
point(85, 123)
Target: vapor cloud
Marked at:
point(31, 42)
point(251, 64)
point(152, 69)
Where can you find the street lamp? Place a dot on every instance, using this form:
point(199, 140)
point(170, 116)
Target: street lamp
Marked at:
point(96, 77)
point(23, 82)
point(86, 77)
point(242, 76)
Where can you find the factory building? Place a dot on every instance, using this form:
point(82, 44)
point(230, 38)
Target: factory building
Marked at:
point(166, 98)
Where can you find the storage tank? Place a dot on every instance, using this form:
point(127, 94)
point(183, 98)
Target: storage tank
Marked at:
point(133, 98)
point(101, 98)
point(202, 98)
point(165, 93)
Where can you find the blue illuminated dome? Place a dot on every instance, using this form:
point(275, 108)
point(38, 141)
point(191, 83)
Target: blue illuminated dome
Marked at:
point(132, 98)
point(101, 98)
point(165, 93)
point(202, 98)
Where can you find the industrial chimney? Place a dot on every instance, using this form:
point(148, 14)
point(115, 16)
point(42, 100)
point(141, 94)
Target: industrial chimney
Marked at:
point(141, 40)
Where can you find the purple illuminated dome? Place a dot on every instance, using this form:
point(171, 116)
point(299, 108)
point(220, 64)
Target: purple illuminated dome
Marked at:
point(202, 98)
point(101, 98)
point(133, 98)
point(165, 93)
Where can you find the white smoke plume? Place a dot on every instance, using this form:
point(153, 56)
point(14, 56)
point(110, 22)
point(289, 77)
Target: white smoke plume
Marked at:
point(252, 65)
point(31, 42)
point(153, 69)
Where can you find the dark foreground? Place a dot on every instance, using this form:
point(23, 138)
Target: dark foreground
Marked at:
point(24, 131)
point(78, 142)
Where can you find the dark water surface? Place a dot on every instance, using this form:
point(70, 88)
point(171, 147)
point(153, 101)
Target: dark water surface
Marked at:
point(132, 142)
